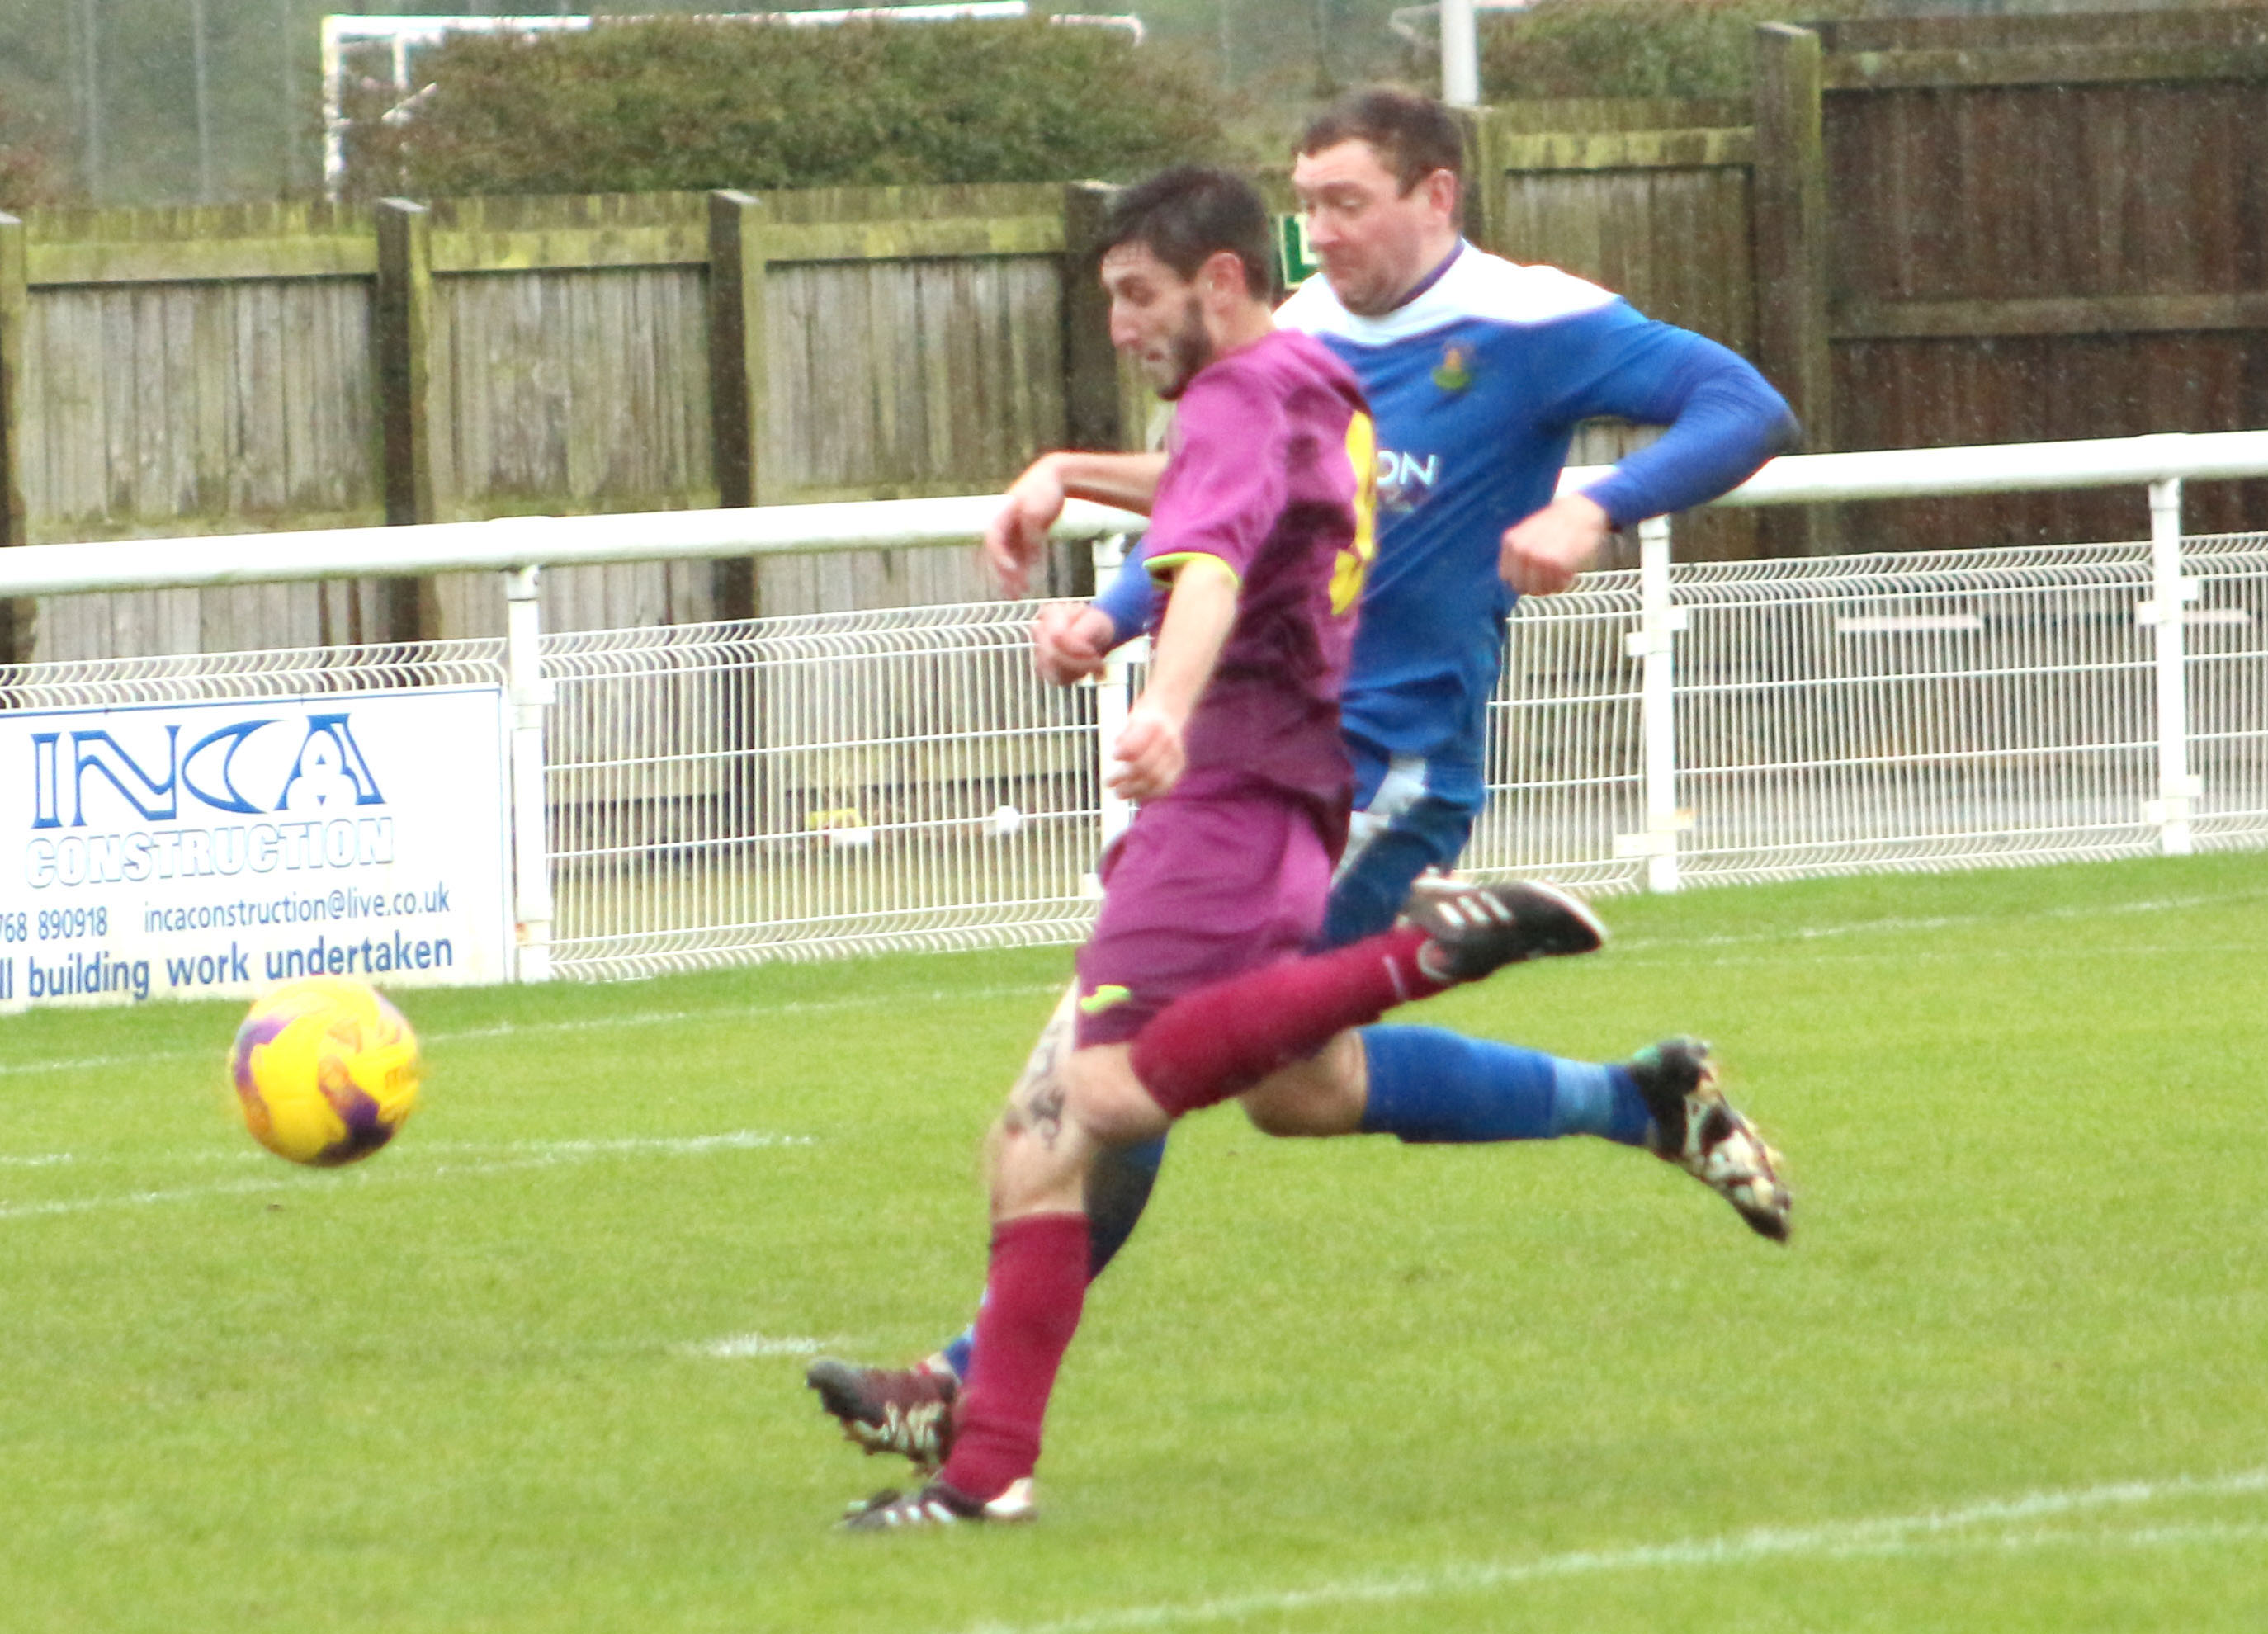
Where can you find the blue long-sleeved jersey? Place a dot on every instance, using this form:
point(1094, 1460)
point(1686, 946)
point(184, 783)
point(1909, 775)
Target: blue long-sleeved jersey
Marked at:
point(1477, 385)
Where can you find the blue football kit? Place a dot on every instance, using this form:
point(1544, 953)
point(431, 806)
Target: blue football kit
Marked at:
point(1477, 384)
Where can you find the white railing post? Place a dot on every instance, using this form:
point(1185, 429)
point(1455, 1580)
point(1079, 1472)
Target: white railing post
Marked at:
point(1112, 688)
point(1652, 644)
point(2170, 595)
point(529, 695)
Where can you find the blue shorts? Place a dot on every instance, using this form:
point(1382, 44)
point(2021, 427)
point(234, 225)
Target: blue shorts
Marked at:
point(1410, 815)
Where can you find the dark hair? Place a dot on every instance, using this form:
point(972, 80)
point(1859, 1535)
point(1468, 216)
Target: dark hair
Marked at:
point(1412, 135)
point(1189, 214)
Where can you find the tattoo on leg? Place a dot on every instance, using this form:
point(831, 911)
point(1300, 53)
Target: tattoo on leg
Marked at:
point(1036, 1103)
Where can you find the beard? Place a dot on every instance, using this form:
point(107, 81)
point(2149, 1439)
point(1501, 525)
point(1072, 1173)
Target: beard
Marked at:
point(1188, 350)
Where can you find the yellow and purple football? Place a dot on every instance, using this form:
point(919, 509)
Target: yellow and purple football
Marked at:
point(326, 1071)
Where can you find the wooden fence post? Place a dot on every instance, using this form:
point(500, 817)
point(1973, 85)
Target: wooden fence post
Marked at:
point(1483, 188)
point(403, 321)
point(16, 616)
point(1791, 246)
point(737, 381)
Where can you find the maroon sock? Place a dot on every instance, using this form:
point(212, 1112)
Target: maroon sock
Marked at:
point(1221, 1040)
point(1032, 1299)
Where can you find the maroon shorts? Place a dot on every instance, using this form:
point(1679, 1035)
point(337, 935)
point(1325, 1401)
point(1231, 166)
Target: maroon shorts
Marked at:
point(1196, 890)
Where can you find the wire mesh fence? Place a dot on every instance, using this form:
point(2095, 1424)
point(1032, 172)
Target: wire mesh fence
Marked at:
point(826, 785)
point(275, 673)
point(813, 785)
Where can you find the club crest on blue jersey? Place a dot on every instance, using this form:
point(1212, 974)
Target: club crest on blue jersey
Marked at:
point(1454, 372)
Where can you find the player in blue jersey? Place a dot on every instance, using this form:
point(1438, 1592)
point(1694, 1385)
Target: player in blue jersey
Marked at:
point(1478, 371)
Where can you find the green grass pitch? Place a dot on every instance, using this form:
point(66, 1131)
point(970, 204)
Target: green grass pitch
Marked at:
point(538, 1365)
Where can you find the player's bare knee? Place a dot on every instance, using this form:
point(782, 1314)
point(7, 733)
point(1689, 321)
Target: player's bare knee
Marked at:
point(1035, 1164)
point(1108, 1101)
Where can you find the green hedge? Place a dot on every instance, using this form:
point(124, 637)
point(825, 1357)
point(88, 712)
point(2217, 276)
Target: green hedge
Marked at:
point(1634, 47)
point(683, 104)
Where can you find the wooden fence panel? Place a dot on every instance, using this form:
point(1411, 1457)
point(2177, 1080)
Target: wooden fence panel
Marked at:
point(2008, 228)
point(200, 371)
point(914, 345)
point(904, 377)
point(574, 392)
point(188, 371)
point(2046, 227)
point(182, 408)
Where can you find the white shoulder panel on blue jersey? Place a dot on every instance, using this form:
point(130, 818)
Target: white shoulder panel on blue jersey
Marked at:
point(1477, 285)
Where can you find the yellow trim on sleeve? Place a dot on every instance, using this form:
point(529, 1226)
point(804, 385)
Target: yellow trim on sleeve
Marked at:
point(1165, 569)
point(1353, 564)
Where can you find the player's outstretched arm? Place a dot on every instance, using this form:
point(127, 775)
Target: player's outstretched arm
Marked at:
point(1720, 421)
point(1019, 532)
point(1148, 754)
point(1543, 554)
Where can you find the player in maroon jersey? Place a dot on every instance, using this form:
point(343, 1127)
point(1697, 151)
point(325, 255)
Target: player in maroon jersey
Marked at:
point(1193, 986)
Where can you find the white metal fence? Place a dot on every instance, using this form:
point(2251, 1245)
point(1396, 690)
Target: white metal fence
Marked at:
point(813, 785)
point(801, 787)
point(1851, 713)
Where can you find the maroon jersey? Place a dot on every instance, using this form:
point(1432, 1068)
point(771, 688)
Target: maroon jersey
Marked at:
point(1269, 471)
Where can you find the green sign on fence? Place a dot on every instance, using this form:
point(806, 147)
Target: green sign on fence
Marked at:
point(1292, 254)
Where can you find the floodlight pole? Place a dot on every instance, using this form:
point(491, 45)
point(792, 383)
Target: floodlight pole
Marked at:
point(1460, 56)
point(335, 125)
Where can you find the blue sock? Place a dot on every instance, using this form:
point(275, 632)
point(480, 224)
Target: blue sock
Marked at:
point(1116, 1193)
point(957, 1350)
point(1427, 1085)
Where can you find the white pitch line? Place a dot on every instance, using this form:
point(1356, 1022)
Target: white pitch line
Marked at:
point(1935, 1531)
point(1893, 927)
point(670, 1018)
point(748, 1344)
point(88, 1064)
point(676, 1146)
point(745, 1013)
point(586, 1024)
point(1925, 956)
point(529, 1155)
point(137, 1199)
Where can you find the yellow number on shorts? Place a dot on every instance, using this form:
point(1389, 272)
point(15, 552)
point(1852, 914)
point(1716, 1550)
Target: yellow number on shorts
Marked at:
point(1353, 563)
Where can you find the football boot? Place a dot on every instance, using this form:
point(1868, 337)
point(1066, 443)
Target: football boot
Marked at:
point(1474, 929)
point(1698, 1130)
point(938, 1505)
point(906, 1410)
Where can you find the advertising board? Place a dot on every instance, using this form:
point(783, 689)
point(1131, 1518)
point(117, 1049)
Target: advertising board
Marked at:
point(215, 849)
